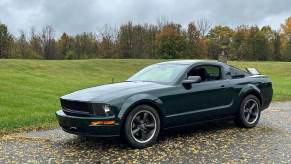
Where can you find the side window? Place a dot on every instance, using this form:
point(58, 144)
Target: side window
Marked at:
point(237, 73)
point(206, 72)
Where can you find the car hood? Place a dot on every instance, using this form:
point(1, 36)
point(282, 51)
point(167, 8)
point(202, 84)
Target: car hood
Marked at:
point(107, 92)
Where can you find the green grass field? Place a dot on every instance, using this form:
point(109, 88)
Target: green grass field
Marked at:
point(30, 89)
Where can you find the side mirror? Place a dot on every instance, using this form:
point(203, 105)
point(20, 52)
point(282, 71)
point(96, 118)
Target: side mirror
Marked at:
point(192, 79)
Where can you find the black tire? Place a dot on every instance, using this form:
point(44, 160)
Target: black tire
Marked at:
point(138, 128)
point(247, 117)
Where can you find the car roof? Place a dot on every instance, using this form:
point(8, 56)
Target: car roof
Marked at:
point(191, 62)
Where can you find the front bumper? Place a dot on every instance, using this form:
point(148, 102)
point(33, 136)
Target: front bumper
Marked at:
point(82, 125)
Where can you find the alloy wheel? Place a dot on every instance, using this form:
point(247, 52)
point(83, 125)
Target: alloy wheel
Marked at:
point(251, 111)
point(143, 126)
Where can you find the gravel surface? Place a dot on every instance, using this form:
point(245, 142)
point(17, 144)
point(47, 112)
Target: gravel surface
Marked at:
point(222, 142)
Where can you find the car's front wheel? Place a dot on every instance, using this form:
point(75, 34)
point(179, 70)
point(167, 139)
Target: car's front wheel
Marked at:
point(142, 126)
point(249, 113)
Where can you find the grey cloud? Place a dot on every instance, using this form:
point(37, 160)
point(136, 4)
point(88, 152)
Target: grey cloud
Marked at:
point(89, 15)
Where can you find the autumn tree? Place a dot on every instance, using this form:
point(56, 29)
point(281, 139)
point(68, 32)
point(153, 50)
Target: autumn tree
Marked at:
point(171, 41)
point(149, 41)
point(287, 27)
point(252, 43)
point(161, 40)
point(219, 40)
point(193, 36)
point(107, 45)
point(259, 44)
point(85, 46)
point(268, 43)
point(125, 40)
point(130, 40)
point(139, 41)
point(66, 47)
point(286, 39)
point(239, 45)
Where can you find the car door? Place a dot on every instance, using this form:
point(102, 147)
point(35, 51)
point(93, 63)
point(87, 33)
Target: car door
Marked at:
point(209, 99)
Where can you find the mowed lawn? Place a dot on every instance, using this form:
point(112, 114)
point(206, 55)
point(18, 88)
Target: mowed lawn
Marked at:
point(30, 89)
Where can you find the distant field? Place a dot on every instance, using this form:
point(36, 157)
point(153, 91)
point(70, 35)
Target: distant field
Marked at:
point(30, 89)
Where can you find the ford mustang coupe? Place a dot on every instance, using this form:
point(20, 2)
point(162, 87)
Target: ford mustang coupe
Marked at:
point(166, 95)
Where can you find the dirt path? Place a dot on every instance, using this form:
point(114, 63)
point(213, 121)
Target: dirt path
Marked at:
point(269, 142)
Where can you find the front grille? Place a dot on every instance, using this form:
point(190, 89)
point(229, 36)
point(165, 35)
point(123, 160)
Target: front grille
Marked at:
point(76, 107)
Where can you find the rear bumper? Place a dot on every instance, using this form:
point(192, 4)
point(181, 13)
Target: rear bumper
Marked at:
point(81, 125)
point(266, 101)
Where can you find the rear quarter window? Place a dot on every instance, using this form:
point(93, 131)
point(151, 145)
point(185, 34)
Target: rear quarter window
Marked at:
point(237, 73)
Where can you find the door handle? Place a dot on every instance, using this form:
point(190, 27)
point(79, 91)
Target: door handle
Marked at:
point(222, 86)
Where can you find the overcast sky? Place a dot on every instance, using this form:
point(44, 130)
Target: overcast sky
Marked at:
point(75, 16)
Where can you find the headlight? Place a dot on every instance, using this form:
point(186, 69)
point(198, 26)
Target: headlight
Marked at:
point(106, 109)
point(102, 110)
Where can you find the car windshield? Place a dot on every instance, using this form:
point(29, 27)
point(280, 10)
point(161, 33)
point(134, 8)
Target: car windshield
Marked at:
point(164, 73)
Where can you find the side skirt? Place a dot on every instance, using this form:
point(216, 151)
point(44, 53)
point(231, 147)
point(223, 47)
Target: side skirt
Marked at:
point(200, 122)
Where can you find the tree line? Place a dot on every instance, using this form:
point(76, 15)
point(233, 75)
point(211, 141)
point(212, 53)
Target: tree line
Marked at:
point(162, 40)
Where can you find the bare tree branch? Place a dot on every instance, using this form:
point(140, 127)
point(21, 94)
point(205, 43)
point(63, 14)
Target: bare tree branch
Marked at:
point(203, 26)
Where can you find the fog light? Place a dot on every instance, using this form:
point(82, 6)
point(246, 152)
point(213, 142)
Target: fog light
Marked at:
point(109, 122)
point(96, 122)
point(106, 122)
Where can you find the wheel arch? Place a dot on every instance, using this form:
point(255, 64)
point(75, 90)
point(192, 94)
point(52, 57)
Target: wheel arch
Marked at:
point(137, 100)
point(251, 90)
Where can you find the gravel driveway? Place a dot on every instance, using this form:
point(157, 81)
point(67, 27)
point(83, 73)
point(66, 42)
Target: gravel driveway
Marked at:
point(269, 142)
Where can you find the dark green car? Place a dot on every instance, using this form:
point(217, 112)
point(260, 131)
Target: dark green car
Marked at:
point(166, 95)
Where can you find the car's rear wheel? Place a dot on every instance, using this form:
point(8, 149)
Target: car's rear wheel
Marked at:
point(142, 126)
point(249, 113)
